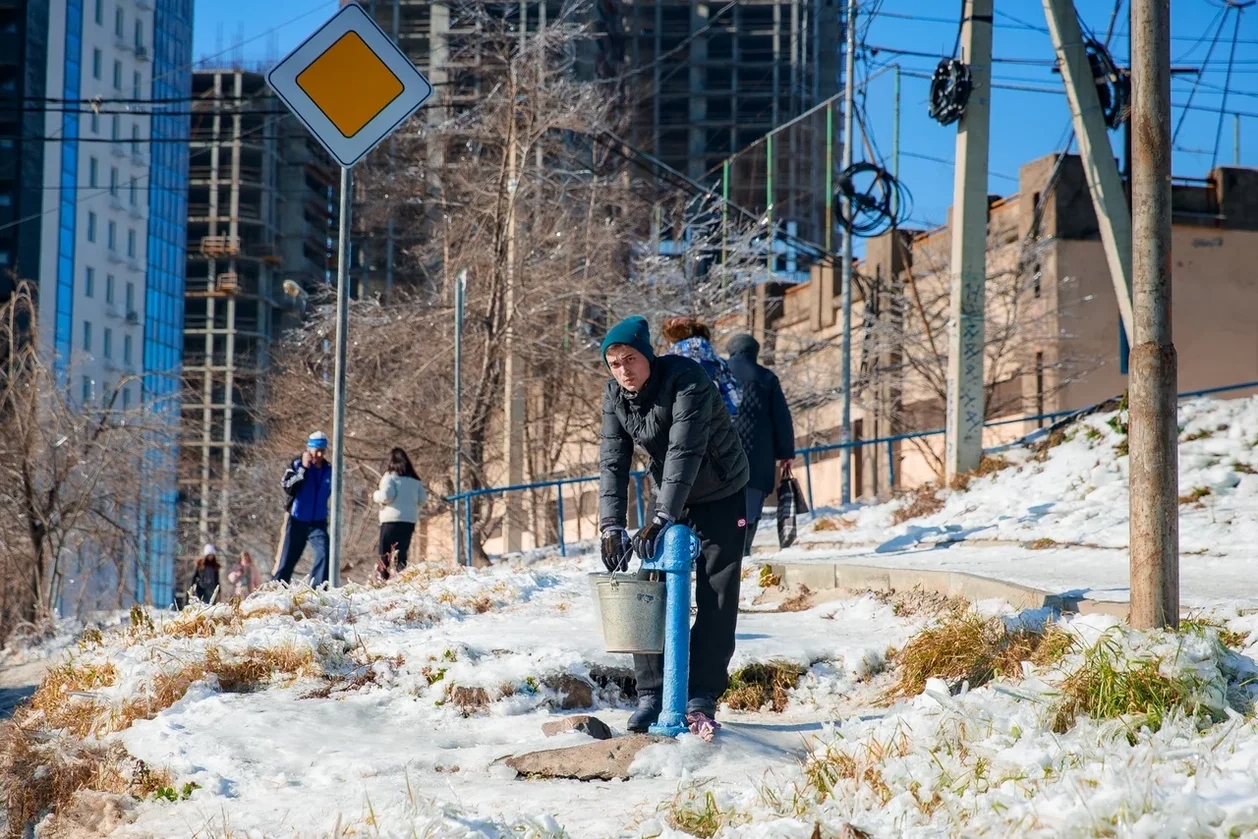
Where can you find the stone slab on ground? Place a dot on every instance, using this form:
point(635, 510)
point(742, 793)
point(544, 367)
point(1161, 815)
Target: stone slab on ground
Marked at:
point(584, 723)
point(604, 760)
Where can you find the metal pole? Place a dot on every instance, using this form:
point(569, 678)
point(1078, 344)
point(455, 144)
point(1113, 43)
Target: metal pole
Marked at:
point(460, 294)
point(335, 518)
point(768, 201)
point(724, 211)
point(1236, 139)
point(967, 325)
point(563, 544)
point(1153, 433)
point(845, 288)
point(895, 143)
point(1099, 168)
point(830, 176)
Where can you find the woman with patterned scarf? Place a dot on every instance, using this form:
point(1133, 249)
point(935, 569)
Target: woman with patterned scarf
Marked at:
point(691, 338)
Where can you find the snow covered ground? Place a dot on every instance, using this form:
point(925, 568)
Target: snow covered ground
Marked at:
point(1059, 522)
point(401, 701)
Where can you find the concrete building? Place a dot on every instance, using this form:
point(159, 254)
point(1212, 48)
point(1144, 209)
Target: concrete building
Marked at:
point(260, 214)
point(698, 82)
point(93, 167)
point(1054, 336)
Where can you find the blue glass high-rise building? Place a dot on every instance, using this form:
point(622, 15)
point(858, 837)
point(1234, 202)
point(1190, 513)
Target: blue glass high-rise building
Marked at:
point(164, 287)
point(93, 209)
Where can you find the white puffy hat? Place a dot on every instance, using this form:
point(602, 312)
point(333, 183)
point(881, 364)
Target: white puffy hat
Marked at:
point(209, 550)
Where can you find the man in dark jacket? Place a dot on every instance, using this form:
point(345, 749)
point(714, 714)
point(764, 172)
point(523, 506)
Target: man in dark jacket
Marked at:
point(671, 409)
point(764, 425)
point(307, 484)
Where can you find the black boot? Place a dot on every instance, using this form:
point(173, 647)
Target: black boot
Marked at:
point(649, 706)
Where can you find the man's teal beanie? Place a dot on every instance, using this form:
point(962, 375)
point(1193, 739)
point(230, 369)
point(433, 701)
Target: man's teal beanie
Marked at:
point(633, 332)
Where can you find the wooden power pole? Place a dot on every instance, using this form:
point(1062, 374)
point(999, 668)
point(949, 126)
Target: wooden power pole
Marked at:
point(967, 327)
point(1153, 434)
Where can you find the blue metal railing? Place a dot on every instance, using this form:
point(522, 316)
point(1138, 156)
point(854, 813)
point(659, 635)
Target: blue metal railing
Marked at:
point(462, 500)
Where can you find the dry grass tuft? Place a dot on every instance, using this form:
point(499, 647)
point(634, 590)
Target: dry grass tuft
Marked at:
point(696, 812)
point(920, 502)
point(989, 465)
point(832, 523)
point(65, 700)
point(469, 700)
point(41, 774)
point(1227, 637)
point(1055, 438)
point(964, 646)
point(205, 622)
point(482, 604)
point(800, 601)
point(858, 766)
point(767, 578)
point(1243, 468)
point(1042, 543)
point(758, 685)
point(1196, 495)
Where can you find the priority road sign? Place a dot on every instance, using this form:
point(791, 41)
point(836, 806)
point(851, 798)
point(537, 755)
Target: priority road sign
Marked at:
point(349, 84)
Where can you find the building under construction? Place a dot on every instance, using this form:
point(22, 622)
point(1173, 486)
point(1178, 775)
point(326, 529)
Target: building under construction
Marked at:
point(261, 214)
point(699, 82)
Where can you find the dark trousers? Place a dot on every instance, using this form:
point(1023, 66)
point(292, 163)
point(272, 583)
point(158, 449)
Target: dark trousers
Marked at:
point(297, 534)
point(718, 572)
point(755, 507)
point(396, 534)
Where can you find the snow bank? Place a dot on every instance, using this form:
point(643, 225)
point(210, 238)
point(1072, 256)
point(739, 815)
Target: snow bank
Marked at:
point(1076, 492)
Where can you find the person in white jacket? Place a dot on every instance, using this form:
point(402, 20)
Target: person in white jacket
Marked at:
point(399, 496)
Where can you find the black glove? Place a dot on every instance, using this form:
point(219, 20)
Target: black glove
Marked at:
point(616, 549)
point(646, 540)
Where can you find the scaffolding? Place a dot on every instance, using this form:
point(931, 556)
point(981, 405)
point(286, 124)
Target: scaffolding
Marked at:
point(259, 213)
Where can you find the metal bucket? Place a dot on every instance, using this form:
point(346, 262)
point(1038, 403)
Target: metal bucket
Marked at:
point(631, 612)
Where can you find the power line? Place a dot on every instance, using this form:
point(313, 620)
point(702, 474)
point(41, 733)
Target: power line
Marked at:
point(1025, 26)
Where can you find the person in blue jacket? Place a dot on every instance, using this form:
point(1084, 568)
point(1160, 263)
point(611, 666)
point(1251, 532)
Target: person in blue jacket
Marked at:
point(307, 483)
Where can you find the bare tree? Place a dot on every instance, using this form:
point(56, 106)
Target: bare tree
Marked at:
point(72, 483)
point(900, 340)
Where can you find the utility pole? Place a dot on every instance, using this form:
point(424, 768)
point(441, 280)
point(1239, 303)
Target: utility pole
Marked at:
point(845, 289)
point(336, 519)
point(967, 328)
point(1099, 166)
point(513, 420)
point(460, 297)
point(1153, 434)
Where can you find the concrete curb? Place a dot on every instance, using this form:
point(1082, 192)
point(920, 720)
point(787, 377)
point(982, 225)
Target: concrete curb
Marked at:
point(820, 576)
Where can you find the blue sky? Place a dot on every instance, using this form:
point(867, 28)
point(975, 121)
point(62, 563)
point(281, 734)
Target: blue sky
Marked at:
point(1025, 123)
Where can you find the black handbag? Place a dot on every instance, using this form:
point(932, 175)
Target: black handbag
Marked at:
point(791, 502)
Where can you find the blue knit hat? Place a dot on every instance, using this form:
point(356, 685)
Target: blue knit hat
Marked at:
point(632, 332)
point(317, 440)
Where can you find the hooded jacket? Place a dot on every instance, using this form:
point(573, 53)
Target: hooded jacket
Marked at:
point(764, 423)
point(679, 418)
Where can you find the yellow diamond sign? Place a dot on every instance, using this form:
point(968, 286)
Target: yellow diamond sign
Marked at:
point(349, 84)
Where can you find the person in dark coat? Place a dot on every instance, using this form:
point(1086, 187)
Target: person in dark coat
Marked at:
point(764, 425)
point(205, 580)
point(307, 485)
point(671, 409)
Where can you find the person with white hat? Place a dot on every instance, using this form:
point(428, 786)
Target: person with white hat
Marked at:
point(205, 580)
point(307, 483)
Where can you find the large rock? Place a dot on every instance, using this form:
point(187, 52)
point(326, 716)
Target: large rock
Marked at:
point(584, 723)
point(574, 693)
point(600, 761)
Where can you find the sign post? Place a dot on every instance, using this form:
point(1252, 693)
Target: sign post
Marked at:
point(351, 87)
